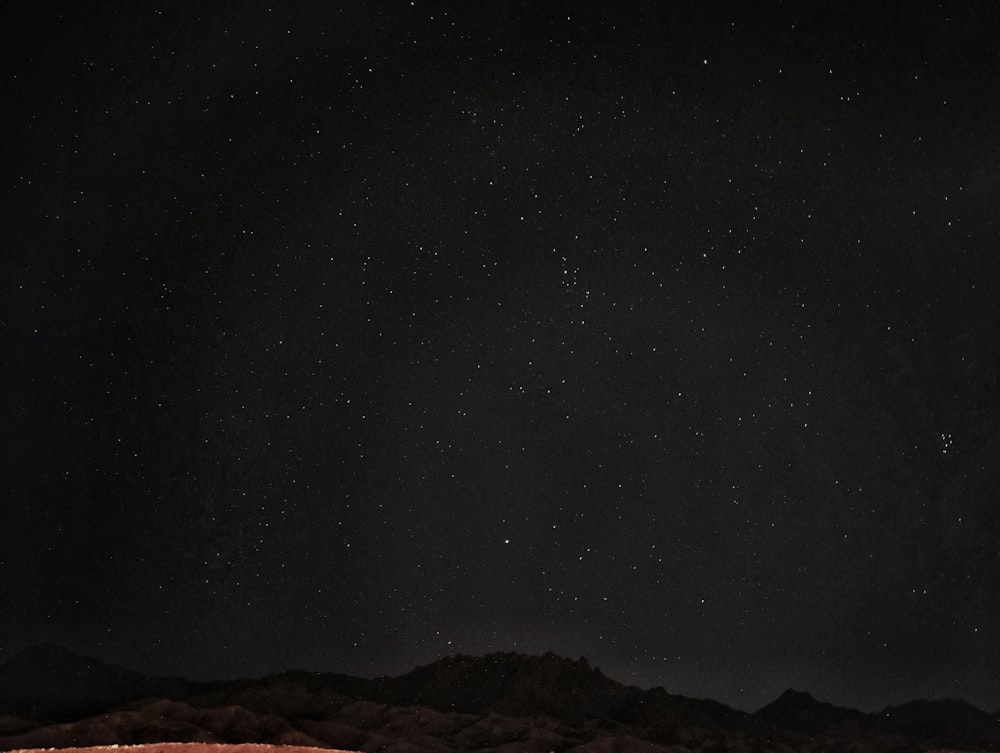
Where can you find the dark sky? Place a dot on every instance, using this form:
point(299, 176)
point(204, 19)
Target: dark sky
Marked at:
point(346, 336)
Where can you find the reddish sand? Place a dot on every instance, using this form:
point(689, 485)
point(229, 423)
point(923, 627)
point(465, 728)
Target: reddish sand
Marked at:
point(238, 748)
point(189, 748)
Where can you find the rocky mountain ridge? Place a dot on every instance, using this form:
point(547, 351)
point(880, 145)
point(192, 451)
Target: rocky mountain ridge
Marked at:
point(51, 697)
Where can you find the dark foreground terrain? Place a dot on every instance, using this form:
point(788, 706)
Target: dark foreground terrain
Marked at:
point(194, 748)
point(52, 698)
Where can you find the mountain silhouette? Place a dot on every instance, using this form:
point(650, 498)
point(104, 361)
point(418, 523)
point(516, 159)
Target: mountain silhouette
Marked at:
point(509, 683)
point(797, 711)
point(946, 719)
point(509, 702)
point(48, 681)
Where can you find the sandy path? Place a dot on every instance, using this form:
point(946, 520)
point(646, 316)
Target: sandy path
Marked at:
point(188, 748)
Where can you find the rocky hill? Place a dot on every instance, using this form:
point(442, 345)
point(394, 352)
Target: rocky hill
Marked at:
point(50, 697)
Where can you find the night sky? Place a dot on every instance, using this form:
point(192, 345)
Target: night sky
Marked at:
point(347, 336)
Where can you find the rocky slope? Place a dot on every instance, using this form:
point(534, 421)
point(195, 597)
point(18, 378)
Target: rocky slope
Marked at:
point(506, 702)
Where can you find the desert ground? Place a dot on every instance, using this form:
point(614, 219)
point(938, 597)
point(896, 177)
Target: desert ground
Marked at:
point(189, 748)
point(238, 748)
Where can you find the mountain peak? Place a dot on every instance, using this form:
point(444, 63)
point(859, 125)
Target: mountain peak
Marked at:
point(47, 653)
point(48, 680)
point(797, 697)
point(45, 664)
point(798, 711)
point(936, 717)
point(508, 682)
